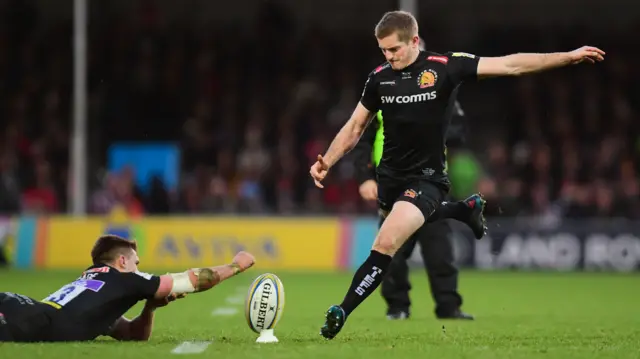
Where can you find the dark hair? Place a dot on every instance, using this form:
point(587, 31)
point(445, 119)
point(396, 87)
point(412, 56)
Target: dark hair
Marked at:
point(109, 246)
point(400, 22)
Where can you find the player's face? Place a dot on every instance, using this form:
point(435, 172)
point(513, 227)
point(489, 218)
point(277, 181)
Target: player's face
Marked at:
point(130, 262)
point(398, 53)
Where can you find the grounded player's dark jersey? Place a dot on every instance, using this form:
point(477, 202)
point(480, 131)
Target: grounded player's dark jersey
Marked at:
point(100, 296)
point(417, 103)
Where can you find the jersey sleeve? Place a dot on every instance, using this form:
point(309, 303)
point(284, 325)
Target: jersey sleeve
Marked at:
point(370, 98)
point(141, 284)
point(462, 66)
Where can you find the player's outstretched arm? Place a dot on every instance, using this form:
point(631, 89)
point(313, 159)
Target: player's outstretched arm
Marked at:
point(345, 141)
point(521, 64)
point(140, 328)
point(201, 279)
point(176, 286)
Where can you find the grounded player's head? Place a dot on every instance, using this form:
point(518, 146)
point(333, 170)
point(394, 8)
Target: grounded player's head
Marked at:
point(397, 35)
point(116, 251)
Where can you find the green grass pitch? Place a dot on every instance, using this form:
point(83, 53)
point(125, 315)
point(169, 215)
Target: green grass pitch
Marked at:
point(519, 315)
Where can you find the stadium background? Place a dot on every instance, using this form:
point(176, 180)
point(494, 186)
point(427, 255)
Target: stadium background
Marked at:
point(200, 120)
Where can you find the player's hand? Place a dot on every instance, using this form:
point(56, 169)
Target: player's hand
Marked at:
point(588, 54)
point(159, 303)
point(319, 171)
point(369, 190)
point(245, 260)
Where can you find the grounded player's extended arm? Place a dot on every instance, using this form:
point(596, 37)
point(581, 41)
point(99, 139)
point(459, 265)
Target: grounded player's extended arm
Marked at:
point(138, 329)
point(173, 286)
point(348, 136)
point(201, 279)
point(520, 64)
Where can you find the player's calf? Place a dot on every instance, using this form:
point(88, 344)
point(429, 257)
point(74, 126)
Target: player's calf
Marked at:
point(404, 219)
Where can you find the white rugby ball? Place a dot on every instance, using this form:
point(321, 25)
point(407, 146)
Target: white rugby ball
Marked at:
point(264, 302)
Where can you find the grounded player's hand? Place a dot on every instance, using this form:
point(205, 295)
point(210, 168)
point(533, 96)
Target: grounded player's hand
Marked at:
point(245, 260)
point(369, 190)
point(319, 171)
point(159, 303)
point(586, 53)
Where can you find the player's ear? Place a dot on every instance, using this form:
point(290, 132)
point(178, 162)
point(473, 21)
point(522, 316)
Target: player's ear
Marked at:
point(415, 41)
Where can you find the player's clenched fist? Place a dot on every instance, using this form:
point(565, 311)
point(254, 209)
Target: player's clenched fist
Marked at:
point(319, 171)
point(244, 260)
point(586, 53)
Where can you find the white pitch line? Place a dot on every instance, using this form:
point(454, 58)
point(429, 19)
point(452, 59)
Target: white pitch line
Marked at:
point(190, 348)
point(237, 299)
point(224, 311)
point(199, 347)
point(233, 300)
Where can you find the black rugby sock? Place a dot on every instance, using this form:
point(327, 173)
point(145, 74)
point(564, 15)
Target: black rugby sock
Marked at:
point(455, 210)
point(366, 279)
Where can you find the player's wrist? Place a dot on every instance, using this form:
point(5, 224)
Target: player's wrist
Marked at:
point(328, 160)
point(565, 58)
point(149, 307)
point(237, 269)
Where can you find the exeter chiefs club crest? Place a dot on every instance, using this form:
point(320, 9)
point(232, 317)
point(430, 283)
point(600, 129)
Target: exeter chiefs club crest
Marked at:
point(427, 78)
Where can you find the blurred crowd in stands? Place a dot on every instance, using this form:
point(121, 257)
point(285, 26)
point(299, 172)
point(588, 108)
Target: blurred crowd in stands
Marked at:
point(252, 109)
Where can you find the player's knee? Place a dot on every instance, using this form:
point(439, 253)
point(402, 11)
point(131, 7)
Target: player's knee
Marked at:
point(405, 218)
point(386, 244)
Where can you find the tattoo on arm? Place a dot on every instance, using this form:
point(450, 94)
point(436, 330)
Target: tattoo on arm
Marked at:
point(207, 278)
point(236, 268)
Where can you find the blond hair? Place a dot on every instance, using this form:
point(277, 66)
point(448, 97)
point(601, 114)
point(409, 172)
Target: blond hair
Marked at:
point(399, 22)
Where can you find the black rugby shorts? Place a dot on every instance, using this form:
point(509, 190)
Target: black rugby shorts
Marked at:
point(24, 318)
point(424, 194)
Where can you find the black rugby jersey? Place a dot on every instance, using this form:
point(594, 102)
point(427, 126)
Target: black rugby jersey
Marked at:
point(101, 295)
point(417, 103)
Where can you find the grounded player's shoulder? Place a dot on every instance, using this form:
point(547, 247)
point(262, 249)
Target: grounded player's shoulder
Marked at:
point(110, 274)
point(98, 271)
point(136, 277)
